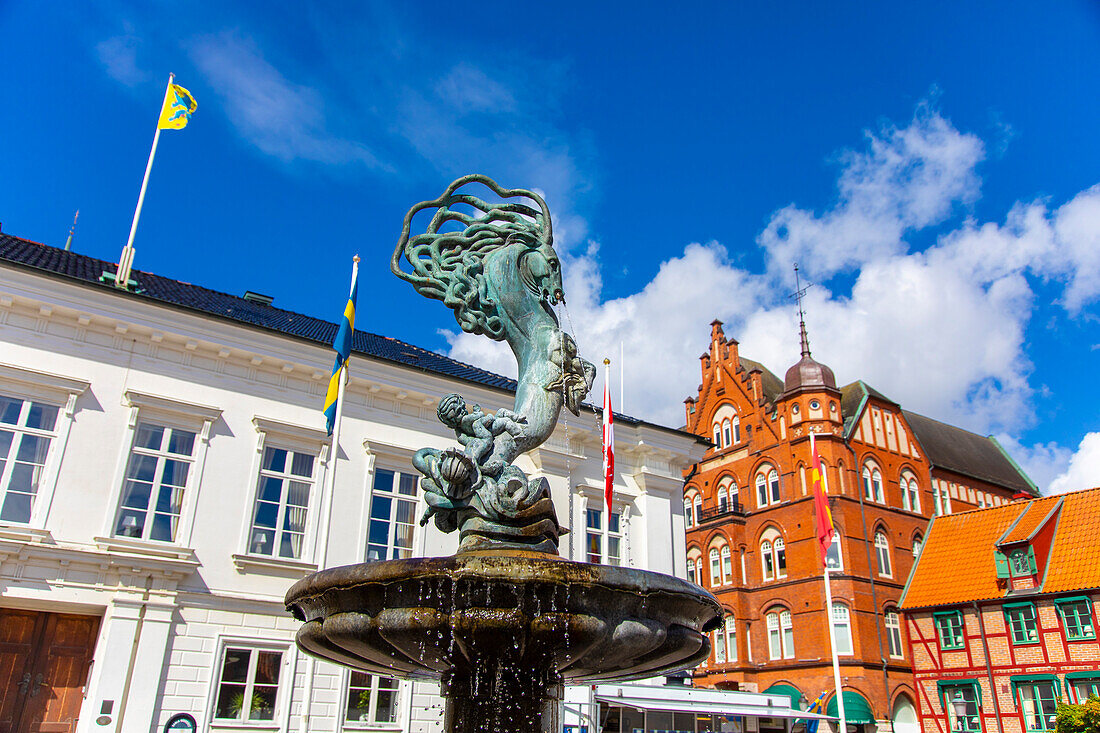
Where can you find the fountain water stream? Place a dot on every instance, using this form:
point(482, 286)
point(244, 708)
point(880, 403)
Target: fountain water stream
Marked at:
point(505, 622)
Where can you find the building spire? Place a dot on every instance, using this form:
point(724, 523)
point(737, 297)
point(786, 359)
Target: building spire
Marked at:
point(797, 295)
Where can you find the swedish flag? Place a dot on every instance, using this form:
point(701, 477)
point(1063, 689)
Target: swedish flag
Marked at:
point(342, 345)
point(178, 107)
point(817, 706)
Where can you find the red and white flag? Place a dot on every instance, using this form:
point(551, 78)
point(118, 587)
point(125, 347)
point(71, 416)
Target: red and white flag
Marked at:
point(608, 439)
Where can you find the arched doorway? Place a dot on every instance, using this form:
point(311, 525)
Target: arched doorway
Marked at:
point(904, 716)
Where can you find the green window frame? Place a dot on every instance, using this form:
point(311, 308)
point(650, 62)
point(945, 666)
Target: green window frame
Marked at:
point(1023, 624)
point(949, 629)
point(970, 690)
point(1076, 614)
point(1036, 700)
point(1083, 685)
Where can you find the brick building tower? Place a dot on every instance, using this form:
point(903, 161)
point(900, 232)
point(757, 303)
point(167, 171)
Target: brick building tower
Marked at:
point(751, 526)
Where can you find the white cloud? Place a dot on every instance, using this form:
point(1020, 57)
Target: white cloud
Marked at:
point(281, 118)
point(469, 89)
point(1083, 471)
point(941, 330)
point(119, 58)
point(1042, 462)
point(908, 179)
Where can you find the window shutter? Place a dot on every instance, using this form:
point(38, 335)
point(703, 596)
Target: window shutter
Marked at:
point(1002, 564)
point(1031, 559)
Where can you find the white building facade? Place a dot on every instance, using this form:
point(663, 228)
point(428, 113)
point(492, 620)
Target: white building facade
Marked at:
point(164, 482)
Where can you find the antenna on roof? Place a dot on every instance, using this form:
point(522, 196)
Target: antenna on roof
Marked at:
point(798, 294)
point(72, 231)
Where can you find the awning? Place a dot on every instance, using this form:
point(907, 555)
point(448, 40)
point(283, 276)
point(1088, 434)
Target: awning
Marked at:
point(694, 700)
point(856, 709)
point(787, 691)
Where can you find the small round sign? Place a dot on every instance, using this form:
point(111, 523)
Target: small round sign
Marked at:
point(181, 723)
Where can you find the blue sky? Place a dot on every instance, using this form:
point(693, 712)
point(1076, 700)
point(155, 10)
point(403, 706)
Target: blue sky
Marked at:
point(932, 168)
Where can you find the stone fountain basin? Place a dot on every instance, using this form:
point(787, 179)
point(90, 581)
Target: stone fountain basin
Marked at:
point(432, 618)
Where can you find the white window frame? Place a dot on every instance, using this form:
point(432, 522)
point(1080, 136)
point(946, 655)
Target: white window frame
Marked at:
point(58, 391)
point(272, 433)
point(286, 681)
point(715, 568)
point(691, 570)
point(403, 690)
point(910, 492)
point(723, 499)
point(839, 568)
point(727, 565)
point(892, 622)
point(918, 545)
point(767, 561)
point(415, 499)
point(780, 626)
point(697, 504)
point(730, 628)
point(735, 422)
point(841, 619)
point(778, 547)
point(171, 413)
point(872, 484)
point(689, 514)
point(884, 563)
point(767, 486)
point(727, 434)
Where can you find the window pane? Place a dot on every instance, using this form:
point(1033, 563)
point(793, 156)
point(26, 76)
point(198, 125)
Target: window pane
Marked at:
point(274, 460)
point(142, 468)
point(136, 495)
point(263, 541)
point(130, 523)
point(5, 444)
point(271, 489)
point(594, 518)
point(267, 515)
point(33, 449)
point(181, 442)
point(24, 478)
point(358, 700)
point(297, 494)
point(230, 701)
point(263, 702)
point(9, 410)
point(16, 508)
point(383, 480)
point(175, 473)
point(613, 522)
point(386, 708)
point(267, 668)
point(302, 465)
point(380, 507)
point(407, 485)
point(235, 665)
point(149, 436)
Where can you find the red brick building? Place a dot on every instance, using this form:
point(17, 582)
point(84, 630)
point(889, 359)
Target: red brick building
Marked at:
point(1001, 615)
point(751, 535)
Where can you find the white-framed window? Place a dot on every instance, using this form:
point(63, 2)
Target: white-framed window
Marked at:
point(893, 632)
point(594, 520)
point(872, 485)
point(780, 549)
point(767, 486)
point(842, 629)
point(882, 553)
point(918, 542)
point(780, 634)
point(280, 518)
point(689, 519)
point(371, 700)
point(392, 515)
point(725, 641)
point(910, 493)
point(715, 568)
point(727, 565)
point(735, 421)
point(161, 461)
point(697, 503)
point(727, 427)
point(723, 500)
point(36, 415)
point(247, 683)
point(767, 560)
point(691, 571)
point(834, 558)
point(727, 434)
point(160, 469)
point(717, 436)
point(27, 429)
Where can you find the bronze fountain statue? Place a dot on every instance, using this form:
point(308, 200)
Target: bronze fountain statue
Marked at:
point(504, 622)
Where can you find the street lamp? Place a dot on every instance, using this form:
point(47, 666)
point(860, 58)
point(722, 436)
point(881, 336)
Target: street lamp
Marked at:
point(958, 705)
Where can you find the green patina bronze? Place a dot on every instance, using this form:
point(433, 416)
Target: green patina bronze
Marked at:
point(494, 264)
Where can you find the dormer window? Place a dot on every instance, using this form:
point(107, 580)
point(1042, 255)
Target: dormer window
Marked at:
point(815, 405)
point(1015, 563)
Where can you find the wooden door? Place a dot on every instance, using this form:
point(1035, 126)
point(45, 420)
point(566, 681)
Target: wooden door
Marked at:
point(49, 655)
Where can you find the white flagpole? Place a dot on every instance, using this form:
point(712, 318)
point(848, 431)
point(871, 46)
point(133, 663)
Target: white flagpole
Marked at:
point(607, 499)
point(330, 488)
point(622, 379)
point(832, 646)
point(126, 260)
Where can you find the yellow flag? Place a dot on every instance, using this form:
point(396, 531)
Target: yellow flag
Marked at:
point(179, 105)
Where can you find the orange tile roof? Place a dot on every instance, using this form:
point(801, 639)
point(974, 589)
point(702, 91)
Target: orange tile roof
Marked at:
point(1033, 516)
point(956, 563)
point(1075, 557)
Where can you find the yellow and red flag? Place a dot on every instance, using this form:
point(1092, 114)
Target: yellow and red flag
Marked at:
point(825, 528)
